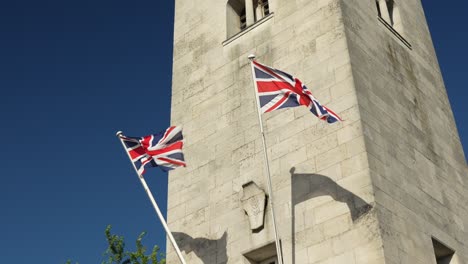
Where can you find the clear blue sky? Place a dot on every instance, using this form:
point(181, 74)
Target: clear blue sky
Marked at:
point(72, 73)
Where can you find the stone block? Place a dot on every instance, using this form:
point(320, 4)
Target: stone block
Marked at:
point(329, 211)
point(330, 157)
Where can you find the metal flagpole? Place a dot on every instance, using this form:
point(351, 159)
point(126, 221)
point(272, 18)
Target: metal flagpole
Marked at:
point(155, 205)
point(267, 165)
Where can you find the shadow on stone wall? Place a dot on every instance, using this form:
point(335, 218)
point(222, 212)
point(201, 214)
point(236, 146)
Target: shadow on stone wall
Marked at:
point(210, 251)
point(308, 186)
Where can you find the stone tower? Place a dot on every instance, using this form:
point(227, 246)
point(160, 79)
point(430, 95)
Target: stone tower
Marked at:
point(387, 185)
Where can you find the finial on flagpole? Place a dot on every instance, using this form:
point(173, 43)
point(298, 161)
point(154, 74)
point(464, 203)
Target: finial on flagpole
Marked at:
point(119, 133)
point(251, 57)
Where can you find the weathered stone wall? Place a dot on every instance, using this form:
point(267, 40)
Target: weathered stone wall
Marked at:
point(324, 176)
point(415, 156)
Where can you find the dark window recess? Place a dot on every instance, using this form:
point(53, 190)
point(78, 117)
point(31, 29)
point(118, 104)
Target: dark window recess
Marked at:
point(390, 5)
point(266, 7)
point(262, 255)
point(388, 12)
point(378, 9)
point(243, 20)
point(269, 261)
point(443, 254)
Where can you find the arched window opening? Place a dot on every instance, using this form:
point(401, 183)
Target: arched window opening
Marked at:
point(236, 17)
point(388, 10)
point(240, 14)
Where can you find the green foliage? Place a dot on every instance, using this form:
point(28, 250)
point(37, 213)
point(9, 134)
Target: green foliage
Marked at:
point(116, 254)
point(115, 249)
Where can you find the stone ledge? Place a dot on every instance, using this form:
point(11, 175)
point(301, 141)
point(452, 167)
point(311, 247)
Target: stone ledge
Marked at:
point(248, 29)
point(398, 35)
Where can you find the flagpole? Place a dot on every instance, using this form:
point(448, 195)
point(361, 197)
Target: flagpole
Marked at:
point(153, 201)
point(267, 165)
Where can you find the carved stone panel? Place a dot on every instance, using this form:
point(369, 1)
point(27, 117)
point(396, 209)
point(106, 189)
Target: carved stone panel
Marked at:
point(253, 201)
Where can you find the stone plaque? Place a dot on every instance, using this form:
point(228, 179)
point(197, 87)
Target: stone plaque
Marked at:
point(253, 201)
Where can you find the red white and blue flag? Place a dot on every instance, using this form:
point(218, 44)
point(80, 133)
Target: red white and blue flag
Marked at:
point(163, 150)
point(277, 90)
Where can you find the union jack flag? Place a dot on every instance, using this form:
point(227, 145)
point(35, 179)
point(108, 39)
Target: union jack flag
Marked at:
point(277, 90)
point(163, 150)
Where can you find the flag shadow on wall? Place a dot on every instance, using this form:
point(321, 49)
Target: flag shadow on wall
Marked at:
point(207, 250)
point(308, 186)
